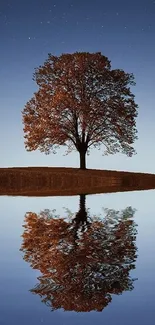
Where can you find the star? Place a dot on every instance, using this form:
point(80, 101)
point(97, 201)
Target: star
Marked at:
point(30, 37)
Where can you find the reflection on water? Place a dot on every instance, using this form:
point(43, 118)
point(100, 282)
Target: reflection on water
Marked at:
point(83, 259)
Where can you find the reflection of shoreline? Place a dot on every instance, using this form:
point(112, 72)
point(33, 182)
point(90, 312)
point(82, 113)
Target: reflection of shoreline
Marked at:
point(45, 181)
point(84, 260)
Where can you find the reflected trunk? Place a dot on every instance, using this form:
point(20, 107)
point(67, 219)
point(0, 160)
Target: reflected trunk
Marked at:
point(80, 220)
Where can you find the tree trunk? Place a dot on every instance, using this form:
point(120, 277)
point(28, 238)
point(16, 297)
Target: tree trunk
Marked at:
point(82, 159)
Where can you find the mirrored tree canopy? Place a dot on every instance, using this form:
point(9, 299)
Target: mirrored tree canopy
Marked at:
point(83, 259)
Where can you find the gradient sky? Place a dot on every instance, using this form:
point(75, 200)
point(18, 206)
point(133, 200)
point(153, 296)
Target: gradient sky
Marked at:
point(124, 31)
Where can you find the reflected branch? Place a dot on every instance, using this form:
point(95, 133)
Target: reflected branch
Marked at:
point(83, 261)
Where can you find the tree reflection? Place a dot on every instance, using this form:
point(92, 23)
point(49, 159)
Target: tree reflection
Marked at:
point(83, 260)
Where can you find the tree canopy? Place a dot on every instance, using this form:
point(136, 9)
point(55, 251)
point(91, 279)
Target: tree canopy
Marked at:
point(81, 103)
point(97, 260)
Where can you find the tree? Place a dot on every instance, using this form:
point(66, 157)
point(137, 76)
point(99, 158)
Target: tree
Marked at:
point(81, 103)
point(95, 256)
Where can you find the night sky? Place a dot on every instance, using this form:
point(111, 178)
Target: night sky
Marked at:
point(124, 31)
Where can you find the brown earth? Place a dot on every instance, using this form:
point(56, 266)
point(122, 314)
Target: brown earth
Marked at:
point(57, 181)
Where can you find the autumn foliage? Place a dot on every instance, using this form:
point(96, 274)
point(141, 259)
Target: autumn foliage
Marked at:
point(81, 103)
point(82, 272)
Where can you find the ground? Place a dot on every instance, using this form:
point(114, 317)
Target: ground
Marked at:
point(58, 181)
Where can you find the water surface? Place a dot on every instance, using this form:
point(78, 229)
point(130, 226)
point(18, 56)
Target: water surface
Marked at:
point(126, 245)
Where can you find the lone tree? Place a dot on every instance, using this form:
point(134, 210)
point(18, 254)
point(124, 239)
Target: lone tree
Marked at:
point(81, 103)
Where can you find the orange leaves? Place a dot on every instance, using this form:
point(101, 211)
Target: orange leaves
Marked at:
point(80, 100)
point(97, 261)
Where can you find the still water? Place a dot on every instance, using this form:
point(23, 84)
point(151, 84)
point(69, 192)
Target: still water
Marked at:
point(78, 260)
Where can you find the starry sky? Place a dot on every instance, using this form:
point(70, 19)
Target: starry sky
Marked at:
point(122, 30)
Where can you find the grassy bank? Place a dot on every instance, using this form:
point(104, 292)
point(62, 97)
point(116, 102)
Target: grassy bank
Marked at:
point(51, 181)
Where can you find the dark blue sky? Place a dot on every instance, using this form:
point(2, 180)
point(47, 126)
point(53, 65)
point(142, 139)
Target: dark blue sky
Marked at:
point(122, 30)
